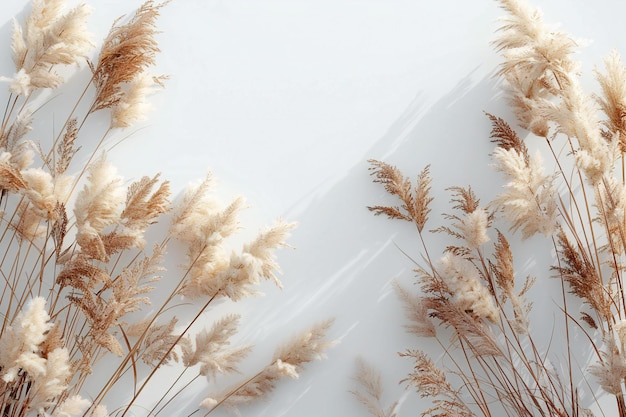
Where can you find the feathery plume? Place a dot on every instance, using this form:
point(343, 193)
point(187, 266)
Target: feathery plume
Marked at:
point(143, 207)
point(19, 343)
point(10, 177)
point(255, 262)
point(97, 206)
point(44, 192)
point(430, 381)
point(202, 224)
point(199, 220)
point(370, 383)
point(19, 128)
point(471, 224)
point(536, 65)
point(611, 203)
point(506, 138)
point(504, 274)
point(127, 52)
point(468, 292)
point(211, 349)
point(288, 362)
point(611, 370)
point(415, 202)
point(576, 117)
point(529, 45)
point(417, 312)
point(71, 407)
point(66, 149)
point(528, 201)
point(579, 271)
point(613, 99)
point(132, 105)
point(473, 227)
point(54, 380)
point(157, 343)
point(52, 37)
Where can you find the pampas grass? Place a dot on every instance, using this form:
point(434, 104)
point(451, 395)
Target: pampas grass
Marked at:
point(472, 300)
point(87, 306)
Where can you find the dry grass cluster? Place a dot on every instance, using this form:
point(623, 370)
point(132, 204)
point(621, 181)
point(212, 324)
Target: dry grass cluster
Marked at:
point(82, 283)
point(473, 300)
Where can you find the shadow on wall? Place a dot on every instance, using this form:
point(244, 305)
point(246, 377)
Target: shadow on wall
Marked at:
point(346, 259)
point(452, 135)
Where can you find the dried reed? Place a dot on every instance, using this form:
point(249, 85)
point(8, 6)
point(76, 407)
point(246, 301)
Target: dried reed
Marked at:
point(472, 300)
point(77, 266)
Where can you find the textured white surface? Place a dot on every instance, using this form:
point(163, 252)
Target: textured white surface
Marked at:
point(284, 101)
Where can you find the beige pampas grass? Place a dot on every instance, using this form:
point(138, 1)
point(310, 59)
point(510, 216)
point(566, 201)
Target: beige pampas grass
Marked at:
point(86, 304)
point(613, 98)
point(430, 381)
point(527, 202)
point(127, 52)
point(288, 362)
point(210, 349)
point(51, 37)
point(371, 390)
point(473, 300)
point(414, 201)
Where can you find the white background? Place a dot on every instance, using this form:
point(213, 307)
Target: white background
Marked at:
point(284, 101)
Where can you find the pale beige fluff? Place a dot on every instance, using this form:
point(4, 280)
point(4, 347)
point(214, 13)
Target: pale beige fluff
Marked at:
point(19, 128)
point(208, 342)
point(619, 329)
point(203, 274)
point(529, 198)
point(51, 37)
point(576, 117)
point(44, 191)
point(611, 201)
point(370, 390)
point(417, 312)
point(203, 224)
point(98, 205)
point(133, 106)
point(53, 381)
point(200, 218)
point(99, 201)
point(71, 407)
point(536, 64)
point(611, 370)
point(236, 276)
point(612, 101)
point(31, 363)
point(22, 155)
point(29, 224)
point(21, 340)
point(288, 362)
point(100, 411)
point(243, 272)
point(212, 350)
point(473, 228)
point(463, 281)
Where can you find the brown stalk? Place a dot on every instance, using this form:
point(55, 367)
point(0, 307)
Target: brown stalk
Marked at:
point(176, 394)
point(161, 361)
point(115, 376)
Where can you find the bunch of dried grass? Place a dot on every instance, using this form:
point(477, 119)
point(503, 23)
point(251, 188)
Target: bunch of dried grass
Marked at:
point(473, 296)
point(77, 277)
